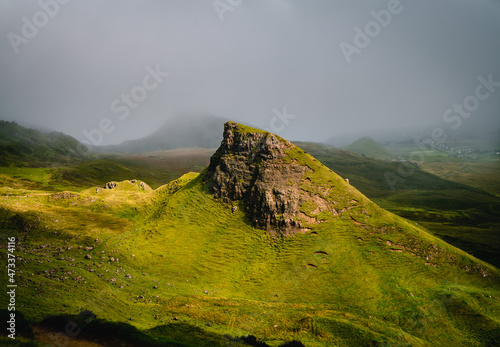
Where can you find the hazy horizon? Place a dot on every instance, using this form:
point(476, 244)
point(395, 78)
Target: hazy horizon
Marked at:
point(307, 71)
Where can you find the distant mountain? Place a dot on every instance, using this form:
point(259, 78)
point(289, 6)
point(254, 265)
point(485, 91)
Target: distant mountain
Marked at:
point(367, 147)
point(20, 146)
point(186, 131)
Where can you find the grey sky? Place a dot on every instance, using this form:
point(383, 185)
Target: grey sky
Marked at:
point(265, 54)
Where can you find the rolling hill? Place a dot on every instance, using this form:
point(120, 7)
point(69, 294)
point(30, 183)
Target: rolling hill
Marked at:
point(367, 147)
point(266, 244)
point(20, 146)
point(463, 215)
point(466, 217)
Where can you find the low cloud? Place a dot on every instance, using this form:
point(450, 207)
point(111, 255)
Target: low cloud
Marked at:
point(63, 63)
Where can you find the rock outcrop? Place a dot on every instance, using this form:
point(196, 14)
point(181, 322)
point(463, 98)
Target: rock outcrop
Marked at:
point(250, 166)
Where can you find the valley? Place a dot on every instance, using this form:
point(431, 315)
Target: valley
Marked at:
point(171, 265)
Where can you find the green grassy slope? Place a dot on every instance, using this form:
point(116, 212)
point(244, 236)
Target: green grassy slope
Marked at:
point(482, 174)
point(184, 268)
point(369, 175)
point(20, 146)
point(465, 216)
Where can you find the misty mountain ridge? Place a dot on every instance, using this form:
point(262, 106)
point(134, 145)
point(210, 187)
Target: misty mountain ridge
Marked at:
point(482, 137)
point(183, 131)
point(367, 147)
point(21, 146)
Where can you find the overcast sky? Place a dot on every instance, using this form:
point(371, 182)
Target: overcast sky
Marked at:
point(68, 69)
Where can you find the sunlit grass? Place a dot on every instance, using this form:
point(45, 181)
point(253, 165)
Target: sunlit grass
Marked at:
point(194, 262)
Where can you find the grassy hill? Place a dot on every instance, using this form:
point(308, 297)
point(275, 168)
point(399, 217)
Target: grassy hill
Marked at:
point(367, 147)
point(465, 216)
point(20, 146)
point(177, 267)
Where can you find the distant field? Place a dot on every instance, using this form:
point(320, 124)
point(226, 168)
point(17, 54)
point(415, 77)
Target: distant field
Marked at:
point(484, 175)
point(40, 175)
point(176, 161)
point(480, 169)
point(154, 168)
point(30, 178)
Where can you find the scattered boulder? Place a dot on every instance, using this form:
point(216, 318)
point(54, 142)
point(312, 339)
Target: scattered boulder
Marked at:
point(110, 185)
point(144, 186)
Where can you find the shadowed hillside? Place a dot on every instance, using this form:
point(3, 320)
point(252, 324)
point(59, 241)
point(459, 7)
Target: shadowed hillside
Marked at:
point(20, 146)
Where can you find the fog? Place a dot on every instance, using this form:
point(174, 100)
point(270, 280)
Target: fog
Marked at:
point(307, 70)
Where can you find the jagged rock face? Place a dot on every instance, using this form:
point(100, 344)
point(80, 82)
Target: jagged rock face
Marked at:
point(249, 166)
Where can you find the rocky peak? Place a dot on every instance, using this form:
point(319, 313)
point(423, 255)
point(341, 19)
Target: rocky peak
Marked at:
point(252, 166)
point(252, 143)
